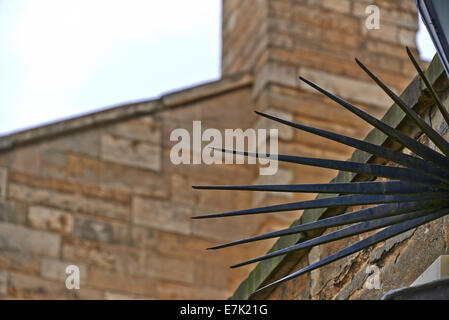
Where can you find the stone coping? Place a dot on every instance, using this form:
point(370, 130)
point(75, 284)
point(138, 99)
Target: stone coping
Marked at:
point(434, 290)
point(277, 267)
point(127, 111)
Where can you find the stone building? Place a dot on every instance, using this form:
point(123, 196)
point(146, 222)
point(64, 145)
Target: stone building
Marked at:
point(100, 192)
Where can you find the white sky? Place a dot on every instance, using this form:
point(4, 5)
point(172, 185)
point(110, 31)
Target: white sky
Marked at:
point(62, 58)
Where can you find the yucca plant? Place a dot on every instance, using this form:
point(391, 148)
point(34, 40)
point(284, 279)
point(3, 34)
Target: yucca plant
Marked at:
point(416, 193)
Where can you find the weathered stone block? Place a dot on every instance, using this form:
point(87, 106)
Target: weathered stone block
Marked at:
point(162, 215)
point(3, 282)
point(144, 129)
point(3, 182)
point(343, 6)
point(19, 238)
point(50, 219)
point(174, 269)
point(345, 87)
point(92, 253)
point(110, 295)
point(103, 279)
point(28, 287)
point(131, 152)
point(407, 38)
point(12, 259)
point(117, 177)
point(94, 230)
point(73, 202)
point(13, 212)
point(284, 132)
point(56, 270)
point(86, 142)
point(142, 237)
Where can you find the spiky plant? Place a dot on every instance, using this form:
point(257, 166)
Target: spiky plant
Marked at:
point(416, 193)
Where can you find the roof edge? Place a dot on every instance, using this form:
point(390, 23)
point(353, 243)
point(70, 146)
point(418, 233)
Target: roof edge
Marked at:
point(126, 111)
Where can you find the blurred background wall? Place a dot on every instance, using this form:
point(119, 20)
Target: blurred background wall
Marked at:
point(99, 191)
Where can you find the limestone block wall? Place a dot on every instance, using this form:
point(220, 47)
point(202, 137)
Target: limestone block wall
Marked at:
point(100, 192)
point(319, 40)
point(108, 199)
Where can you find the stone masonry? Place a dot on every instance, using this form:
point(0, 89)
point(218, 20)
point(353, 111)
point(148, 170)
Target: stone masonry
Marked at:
point(100, 191)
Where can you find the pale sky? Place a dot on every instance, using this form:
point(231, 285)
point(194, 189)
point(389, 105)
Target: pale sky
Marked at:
point(62, 58)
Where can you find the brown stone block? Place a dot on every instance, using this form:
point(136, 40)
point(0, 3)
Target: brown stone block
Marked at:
point(408, 5)
point(194, 249)
point(387, 32)
point(280, 40)
point(210, 275)
point(182, 191)
point(315, 16)
point(282, 176)
point(127, 260)
point(144, 238)
point(144, 129)
point(318, 145)
point(19, 260)
point(345, 87)
point(88, 189)
point(27, 159)
point(217, 173)
point(338, 38)
point(382, 47)
point(86, 142)
point(13, 212)
point(50, 219)
point(314, 150)
point(300, 102)
point(181, 270)
point(215, 112)
point(69, 201)
point(103, 279)
point(343, 6)
point(26, 287)
point(14, 237)
point(169, 290)
point(131, 152)
point(175, 245)
point(3, 183)
point(401, 18)
point(223, 200)
point(162, 215)
point(285, 132)
point(91, 253)
point(116, 177)
point(3, 283)
point(54, 269)
point(113, 295)
point(407, 38)
point(220, 229)
point(101, 230)
point(304, 56)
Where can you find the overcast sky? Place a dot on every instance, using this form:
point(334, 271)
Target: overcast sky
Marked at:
point(61, 58)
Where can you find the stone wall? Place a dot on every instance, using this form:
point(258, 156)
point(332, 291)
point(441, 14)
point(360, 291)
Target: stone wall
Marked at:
point(100, 192)
point(109, 200)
